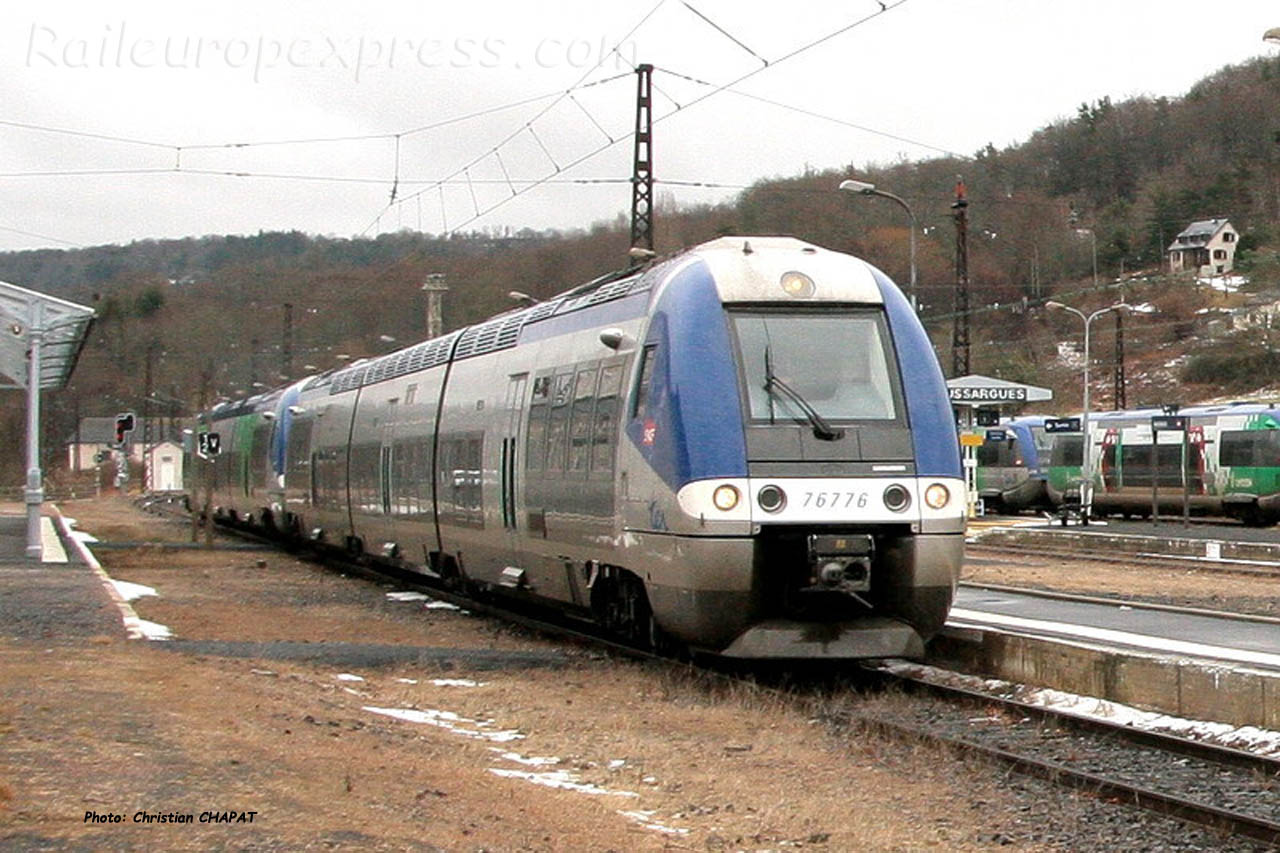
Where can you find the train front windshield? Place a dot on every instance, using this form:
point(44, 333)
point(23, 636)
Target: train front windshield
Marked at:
point(836, 366)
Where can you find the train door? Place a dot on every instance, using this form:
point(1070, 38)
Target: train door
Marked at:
point(508, 462)
point(386, 497)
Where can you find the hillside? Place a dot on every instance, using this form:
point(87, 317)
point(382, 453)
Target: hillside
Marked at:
point(208, 314)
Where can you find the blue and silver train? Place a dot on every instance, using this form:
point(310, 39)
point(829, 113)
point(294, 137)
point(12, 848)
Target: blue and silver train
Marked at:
point(1013, 465)
point(744, 449)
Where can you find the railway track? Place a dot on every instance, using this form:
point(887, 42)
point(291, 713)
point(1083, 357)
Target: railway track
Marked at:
point(1237, 567)
point(1229, 791)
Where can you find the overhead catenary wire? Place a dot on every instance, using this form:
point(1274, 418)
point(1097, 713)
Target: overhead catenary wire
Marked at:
point(804, 48)
point(399, 180)
point(814, 114)
point(722, 31)
point(529, 124)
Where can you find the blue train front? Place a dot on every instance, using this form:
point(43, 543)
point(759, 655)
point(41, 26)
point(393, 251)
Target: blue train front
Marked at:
point(747, 449)
point(790, 484)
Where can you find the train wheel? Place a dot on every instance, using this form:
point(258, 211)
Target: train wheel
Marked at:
point(621, 606)
point(1254, 517)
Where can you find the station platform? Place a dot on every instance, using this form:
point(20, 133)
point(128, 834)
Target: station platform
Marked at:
point(1237, 641)
point(1190, 665)
point(51, 600)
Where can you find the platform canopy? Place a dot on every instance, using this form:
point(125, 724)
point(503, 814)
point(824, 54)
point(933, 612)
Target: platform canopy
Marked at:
point(975, 390)
point(62, 326)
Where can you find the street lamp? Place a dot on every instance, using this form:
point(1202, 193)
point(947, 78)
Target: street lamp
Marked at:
point(1272, 35)
point(863, 188)
point(1086, 479)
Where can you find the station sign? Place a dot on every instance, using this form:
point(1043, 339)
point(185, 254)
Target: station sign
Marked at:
point(1169, 423)
point(970, 439)
point(997, 435)
point(988, 393)
point(1061, 424)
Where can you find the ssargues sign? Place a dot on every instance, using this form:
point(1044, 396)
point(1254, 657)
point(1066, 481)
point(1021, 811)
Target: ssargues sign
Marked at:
point(988, 394)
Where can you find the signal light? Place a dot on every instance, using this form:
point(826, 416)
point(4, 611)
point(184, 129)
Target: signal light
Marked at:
point(124, 424)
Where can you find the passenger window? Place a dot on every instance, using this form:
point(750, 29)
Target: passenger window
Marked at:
point(539, 408)
point(580, 426)
point(558, 423)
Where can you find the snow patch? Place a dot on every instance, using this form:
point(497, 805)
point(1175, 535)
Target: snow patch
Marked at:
point(451, 722)
point(132, 591)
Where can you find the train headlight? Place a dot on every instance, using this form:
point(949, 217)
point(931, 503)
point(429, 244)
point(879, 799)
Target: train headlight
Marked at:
point(771, 498)
point(897, 498)
point(937, 496)
point(726, 497)
point(797, 285)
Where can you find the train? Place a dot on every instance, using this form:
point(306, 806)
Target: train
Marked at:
point(1230, 466)
point(745, 449)
point(1012, 469)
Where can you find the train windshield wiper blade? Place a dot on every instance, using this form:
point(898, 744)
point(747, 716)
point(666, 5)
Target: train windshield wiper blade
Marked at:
point(821, 429)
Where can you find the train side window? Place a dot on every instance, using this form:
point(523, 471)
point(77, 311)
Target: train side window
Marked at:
point(1250, 448)
point(605, 428)
point(1237, 449)
point(584, 398)
point(539, 408)
point(558, 423)
point(460, 479)
point(646, 377)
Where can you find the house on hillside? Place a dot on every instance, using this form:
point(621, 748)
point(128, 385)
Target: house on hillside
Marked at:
point(1207, 247)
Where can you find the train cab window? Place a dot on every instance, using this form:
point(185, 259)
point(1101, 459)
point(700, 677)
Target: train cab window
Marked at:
point(1042, 440)
point(646, 377)
point(997, 454)
point(838, 364)
point(584, 398)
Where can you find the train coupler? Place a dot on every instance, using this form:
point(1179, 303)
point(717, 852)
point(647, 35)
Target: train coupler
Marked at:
point(841, 564)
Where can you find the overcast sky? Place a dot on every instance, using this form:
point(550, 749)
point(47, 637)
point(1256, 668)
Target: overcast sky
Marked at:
point(128, 121)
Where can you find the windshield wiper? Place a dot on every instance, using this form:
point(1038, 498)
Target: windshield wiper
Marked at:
point(821, 429)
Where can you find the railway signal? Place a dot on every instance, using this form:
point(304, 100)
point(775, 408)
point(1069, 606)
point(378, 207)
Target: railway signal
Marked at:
point(124, 426)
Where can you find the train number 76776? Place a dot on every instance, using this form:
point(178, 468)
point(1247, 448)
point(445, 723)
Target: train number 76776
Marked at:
point(834, 500)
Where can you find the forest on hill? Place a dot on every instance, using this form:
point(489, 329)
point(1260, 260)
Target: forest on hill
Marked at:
point(216, 316)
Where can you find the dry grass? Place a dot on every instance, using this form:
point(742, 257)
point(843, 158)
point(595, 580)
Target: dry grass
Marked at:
point(115, 725)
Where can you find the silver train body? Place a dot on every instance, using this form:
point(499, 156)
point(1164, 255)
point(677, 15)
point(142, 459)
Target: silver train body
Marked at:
point(747, 448)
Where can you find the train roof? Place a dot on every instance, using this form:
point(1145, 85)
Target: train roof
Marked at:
point(753, 264)
point(1241, 407)
point(748, 269)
